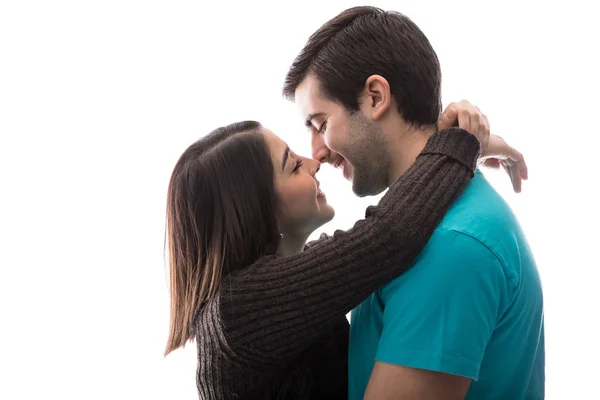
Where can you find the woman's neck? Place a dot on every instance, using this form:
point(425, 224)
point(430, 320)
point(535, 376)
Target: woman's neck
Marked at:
point(291, 244)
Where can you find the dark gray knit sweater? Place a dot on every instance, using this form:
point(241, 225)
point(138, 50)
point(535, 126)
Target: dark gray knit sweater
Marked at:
point(277, 329)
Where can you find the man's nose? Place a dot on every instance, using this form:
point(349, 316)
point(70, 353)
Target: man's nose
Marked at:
point(320, 151)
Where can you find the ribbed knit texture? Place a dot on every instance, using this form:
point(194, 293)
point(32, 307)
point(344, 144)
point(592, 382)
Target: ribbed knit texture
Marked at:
point(277, 330)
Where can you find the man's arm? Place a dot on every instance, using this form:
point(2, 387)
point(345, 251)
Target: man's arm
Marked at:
point(396, 382)
point(438, 320)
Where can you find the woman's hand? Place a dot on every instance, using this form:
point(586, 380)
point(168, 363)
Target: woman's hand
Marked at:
point(495, 151)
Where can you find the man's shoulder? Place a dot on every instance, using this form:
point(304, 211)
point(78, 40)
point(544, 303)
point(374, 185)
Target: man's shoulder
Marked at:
point(477, 208)
point(481, 214)
point(479, 228)
point(452, 262)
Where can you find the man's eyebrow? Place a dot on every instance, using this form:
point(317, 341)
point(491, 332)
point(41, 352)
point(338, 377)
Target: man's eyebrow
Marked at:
point(310, 117)
point(286, 154)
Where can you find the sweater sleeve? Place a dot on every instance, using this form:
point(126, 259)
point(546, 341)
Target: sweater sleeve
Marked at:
point(323, 236)
point(272, 310)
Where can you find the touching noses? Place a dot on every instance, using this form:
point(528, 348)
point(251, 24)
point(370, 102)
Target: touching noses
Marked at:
point(315, 166)
point(320, 151)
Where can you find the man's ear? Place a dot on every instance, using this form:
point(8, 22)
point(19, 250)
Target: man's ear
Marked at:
point(376, 97)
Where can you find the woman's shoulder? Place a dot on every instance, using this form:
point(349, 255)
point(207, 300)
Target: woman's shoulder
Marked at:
point(207, 318)
point(236, 280)
point(211, 332)
point(221, 329)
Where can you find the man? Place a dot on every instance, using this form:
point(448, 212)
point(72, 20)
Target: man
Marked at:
point(467, 320)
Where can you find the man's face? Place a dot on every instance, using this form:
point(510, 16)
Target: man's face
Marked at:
point(351, 142)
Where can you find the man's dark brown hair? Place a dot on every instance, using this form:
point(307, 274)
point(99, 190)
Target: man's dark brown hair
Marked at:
point(363, 41)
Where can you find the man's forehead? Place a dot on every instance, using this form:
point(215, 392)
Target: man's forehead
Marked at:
point(308, 98)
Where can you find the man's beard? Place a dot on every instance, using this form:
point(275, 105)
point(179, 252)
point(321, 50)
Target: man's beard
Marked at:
point(367, 153)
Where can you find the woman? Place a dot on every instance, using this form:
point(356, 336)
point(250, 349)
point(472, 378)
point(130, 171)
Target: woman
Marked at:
point(268, 313)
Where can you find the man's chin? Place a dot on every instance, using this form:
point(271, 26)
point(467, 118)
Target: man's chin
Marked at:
point(363, 186)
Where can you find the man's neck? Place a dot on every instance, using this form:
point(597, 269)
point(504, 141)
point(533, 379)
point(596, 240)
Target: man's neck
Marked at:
point(405, 145)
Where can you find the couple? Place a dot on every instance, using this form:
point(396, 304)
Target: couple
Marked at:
point(445, 295)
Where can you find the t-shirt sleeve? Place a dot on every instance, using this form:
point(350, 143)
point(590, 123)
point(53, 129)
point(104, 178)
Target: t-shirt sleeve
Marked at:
point(440, 315)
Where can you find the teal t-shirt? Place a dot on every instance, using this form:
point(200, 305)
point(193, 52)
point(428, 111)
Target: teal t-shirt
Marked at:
point(471, 305)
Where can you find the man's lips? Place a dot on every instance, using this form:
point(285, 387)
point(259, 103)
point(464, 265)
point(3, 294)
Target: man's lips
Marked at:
point(344, 166)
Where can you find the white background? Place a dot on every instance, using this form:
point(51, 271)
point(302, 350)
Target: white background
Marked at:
point(99, 98)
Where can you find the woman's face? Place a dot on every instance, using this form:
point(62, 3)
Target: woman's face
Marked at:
point(303, 206)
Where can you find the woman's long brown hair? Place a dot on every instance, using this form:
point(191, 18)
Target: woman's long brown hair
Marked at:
point(221, 216)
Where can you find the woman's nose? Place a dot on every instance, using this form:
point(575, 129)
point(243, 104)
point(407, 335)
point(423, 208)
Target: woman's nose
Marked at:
point(315, 167)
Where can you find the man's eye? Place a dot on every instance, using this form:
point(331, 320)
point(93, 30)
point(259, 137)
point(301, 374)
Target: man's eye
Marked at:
point(322, 127)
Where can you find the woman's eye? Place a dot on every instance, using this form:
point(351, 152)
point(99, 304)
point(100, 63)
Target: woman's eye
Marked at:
point(298, 165)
